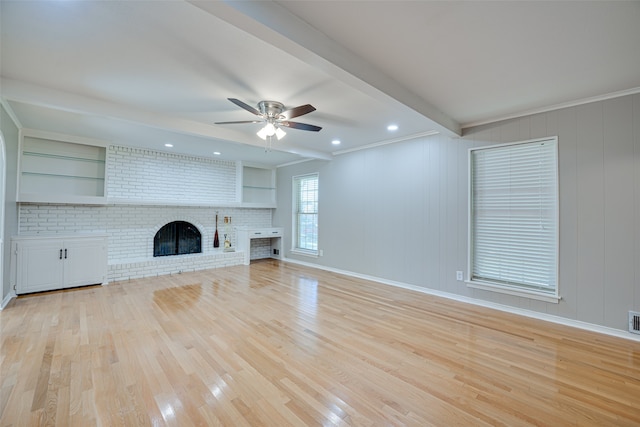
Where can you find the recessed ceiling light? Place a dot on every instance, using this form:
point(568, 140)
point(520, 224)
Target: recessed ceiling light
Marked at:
point(216, 153)
point(392, 127)
point(168, 145)
point(336, 142)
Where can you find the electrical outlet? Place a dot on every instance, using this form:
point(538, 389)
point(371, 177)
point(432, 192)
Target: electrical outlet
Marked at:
point(321, 252)
point(459, 275)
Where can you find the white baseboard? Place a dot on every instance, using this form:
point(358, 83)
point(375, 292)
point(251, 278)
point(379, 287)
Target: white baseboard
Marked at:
point(7, 300)
point(514, 310)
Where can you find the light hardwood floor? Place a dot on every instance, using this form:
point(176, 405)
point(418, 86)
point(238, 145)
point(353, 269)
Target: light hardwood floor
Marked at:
point(276, 344)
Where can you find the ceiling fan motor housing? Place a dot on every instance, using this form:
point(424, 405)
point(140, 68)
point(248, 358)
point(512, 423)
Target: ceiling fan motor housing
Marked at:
point(271, 109)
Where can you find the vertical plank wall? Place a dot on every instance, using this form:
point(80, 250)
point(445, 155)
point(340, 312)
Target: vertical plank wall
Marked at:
point(399, 211)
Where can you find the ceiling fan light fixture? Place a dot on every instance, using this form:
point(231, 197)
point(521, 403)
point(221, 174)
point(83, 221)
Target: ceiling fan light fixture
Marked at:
point(274, 115)
point(262, 133)
point(269, 130)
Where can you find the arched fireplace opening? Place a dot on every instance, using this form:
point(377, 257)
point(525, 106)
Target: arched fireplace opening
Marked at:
point(177, 238)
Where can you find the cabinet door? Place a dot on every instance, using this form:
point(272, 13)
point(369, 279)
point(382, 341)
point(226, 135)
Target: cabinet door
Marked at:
point(39, 267)
point(85, 262)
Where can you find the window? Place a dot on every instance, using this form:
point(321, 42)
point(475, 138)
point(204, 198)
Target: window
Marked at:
point(305, 212)
point(513, 218)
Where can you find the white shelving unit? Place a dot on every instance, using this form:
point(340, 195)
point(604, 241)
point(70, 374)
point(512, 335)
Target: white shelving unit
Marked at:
point(53, 170)
point(65, 169)
point(258, 187)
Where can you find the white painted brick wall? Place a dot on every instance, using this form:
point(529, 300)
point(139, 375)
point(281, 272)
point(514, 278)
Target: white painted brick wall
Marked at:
point(131, 230)
point(173, 265)
point(145, 175)
point(148, 175)
point(260, 248)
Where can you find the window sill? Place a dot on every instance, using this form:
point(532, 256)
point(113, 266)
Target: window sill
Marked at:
point(540, 296)
point(311, 254)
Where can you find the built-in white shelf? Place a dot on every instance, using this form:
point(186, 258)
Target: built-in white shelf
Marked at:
point(53, 170)
point(63, 169)
point(258, 187)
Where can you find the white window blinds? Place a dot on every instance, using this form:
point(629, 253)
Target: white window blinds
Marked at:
point(305, 190)
point(514, 215)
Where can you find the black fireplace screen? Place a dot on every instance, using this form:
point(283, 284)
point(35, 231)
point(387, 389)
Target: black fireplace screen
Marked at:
point(177, 238)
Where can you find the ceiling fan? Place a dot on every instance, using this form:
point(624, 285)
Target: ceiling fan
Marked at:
point(274, 116)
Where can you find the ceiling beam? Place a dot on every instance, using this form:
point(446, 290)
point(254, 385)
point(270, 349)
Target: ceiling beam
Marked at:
point(274, 24)
point(15, 90)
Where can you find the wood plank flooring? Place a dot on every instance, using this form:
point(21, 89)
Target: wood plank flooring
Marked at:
point(276, 344)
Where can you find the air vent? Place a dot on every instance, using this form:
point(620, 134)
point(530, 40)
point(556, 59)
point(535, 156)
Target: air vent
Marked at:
point(634, 322)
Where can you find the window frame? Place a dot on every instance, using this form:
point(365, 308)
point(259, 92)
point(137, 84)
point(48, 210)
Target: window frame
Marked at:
point(295, 243)
point(521, 290)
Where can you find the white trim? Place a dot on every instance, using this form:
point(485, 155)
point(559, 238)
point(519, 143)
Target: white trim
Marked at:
point(294, 216)
point(554, 107)
point(7, 299)
point(3, 193)
point(524, 293)
point(295, 162)
point(239, 181)
point(39, 134)
point(305, 252)
point(10, 112)
point(387, 141)
point(491, 145)
point(619, 333)
point(33, 199)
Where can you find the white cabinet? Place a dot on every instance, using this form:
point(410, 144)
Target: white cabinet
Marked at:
point(58, 262)
point(272, 234)
point(38, 267)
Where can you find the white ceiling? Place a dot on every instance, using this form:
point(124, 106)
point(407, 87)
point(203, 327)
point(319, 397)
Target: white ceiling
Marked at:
point(142, 73)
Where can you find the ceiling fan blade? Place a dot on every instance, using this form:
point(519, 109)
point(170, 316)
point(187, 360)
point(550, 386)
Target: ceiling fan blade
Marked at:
point(301, 126)
point(243, 121)
point(297, 111)
point(247, 107)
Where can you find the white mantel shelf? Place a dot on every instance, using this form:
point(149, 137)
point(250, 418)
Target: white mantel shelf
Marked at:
point(102, 201)
point(114, 201)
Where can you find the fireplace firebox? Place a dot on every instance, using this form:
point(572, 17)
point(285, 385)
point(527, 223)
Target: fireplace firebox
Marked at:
point(177, 238)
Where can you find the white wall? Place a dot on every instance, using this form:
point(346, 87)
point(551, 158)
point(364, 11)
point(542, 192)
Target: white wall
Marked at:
point(399, 212)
